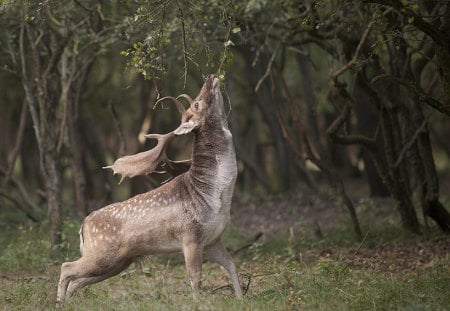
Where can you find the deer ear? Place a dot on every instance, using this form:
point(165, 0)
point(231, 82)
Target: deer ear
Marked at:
point(186, 127)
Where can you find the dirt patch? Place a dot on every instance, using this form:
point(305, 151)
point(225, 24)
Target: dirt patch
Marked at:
point(274, 215)
point(271, 215)
point(416, 256)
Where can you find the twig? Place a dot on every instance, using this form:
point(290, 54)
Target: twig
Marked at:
point(423, 96)
point(22, 190)
point(19, 206)
point(183, 35)
point(410, 143)
point(19, 139)
point(118, 126)
point(355, 56)
point(227, 38)
point(221, 287)
point(256, 238)
point(360, 244)
point(261, 47)
point(357, 250)
point(268, 69)
point(248, 284)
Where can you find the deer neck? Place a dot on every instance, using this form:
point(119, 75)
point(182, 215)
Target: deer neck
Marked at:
point(213, 171)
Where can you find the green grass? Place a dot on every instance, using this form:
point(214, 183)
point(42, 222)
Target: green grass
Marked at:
point(282, 272)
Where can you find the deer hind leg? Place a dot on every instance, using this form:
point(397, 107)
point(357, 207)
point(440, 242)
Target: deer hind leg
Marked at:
point(192, 252)
point(78, 274)
point(67, 274)
point(218, 253)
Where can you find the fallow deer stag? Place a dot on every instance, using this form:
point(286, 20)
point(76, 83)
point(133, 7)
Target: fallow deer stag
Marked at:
point(187, 214)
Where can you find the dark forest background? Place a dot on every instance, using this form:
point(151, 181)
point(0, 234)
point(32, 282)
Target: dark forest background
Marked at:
point(318, 92)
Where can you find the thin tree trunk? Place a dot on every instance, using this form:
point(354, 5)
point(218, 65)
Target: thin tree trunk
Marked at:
point(43, 110)
point(310, 101)
point(53, 193)
point(430, 186)
point(399, 188)
point(368, 124)
point(263, 102)
point(76, 161)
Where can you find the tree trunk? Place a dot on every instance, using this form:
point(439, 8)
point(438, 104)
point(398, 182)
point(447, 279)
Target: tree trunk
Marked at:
point(430, 183)
point(310, 101)
point(76, 161)
point(53, 193)
point(41, 87)
point(262, 99)
point(399, 187)
point(72, 95)
point(367, 124)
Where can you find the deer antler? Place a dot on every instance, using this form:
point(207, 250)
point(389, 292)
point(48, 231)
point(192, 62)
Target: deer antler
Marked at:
point(176, 101)
point(143, 163)
point(146, 162)
point(185, 96)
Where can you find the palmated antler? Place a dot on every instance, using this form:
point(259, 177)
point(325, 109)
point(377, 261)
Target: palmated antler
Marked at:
point(146, 162)
point(143, 163)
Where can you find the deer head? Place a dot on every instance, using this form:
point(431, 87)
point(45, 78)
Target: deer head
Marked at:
point(206, 108)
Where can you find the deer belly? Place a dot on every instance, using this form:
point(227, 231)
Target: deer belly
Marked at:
point(156, 242)
point(160, 233)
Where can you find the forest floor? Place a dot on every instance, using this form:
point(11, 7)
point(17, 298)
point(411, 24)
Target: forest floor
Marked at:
point(293, 252)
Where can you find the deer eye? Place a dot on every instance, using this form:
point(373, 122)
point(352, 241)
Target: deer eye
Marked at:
point(196, 105)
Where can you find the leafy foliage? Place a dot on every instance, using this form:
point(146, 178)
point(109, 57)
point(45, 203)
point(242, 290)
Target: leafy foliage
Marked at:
point(196, 33)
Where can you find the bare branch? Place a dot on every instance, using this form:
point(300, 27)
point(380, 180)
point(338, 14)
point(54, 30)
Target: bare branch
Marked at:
point(19, 206)
point(410, 143)
point(226, 40)
point(183, 35)
point(19, 139)
point(22, 190)
point(266, 74)
point(118, 126)
point(355, 56)
point(423, 97)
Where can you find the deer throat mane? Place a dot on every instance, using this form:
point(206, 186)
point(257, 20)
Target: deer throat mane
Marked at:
point(213, 171)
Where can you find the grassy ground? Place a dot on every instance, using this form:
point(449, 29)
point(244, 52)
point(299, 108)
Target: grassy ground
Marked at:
point(288, 268)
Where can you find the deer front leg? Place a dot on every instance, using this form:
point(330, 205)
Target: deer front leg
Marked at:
point(192, 251)
point(218, 253)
